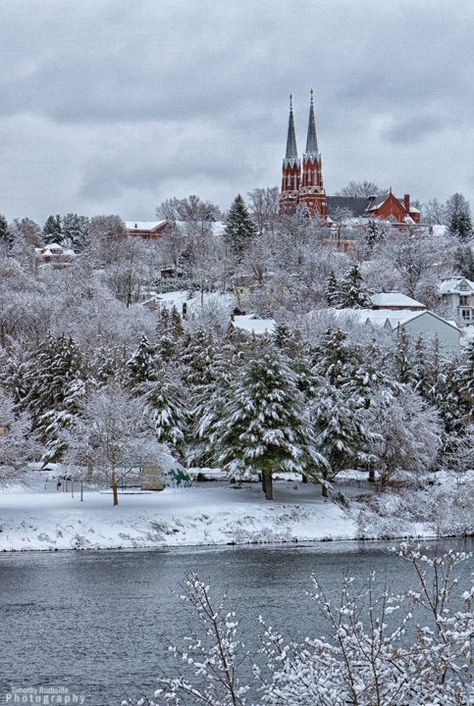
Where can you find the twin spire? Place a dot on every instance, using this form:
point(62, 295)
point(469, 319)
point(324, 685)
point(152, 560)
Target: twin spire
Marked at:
point(311, 139)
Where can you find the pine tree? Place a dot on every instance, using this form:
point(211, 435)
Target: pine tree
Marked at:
point(74, 230)
point(355, 296)
point(422, 373)
point(459, 217)
point(52, 230)
point(142, 365)
point(464, 262)
point(6, 236)
point(165, 409)
point(264, 426)
point(373, 234)
point(334, 294)
point(466, 380)
point(403, 358)
point(341, 436)
point(55, 384)
point(239, 227)
point(334, 359)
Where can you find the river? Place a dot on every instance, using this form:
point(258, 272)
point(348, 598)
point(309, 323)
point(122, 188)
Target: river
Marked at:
point(99, 623)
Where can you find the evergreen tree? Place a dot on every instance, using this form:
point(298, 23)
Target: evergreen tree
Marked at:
point(52, 230)
point(239, 228)
point(403, 358)
point(264, 426)
point(142, 365)
point(165, 410)
point(466, 380)
point(355, 296)
point(334, 359)
point(75, 229)
point(334, 294)
point(422, 373)
point(341, 436)
point(55, 383)
point(464, 261)
point(6, 236)
point(374, 233)
point(459, 217)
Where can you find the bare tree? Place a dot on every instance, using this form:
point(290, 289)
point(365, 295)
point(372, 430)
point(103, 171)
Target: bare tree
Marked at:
point(361, 189)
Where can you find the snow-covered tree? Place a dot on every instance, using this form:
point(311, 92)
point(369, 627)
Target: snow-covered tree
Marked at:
point(53, 230)
point(6, 236)
point(407, 433)
point(75, 230)
point(459, 217)
point(264, 425)
point(264, 205)
point(376, 650)
point(239, 227)
point(361, 189)
point(165, 410)
point(108, 437)
point(18, 446)
point(142, 364)
point(355, 295)
point(54, 386)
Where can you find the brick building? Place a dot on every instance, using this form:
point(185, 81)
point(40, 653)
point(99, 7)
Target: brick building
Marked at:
point(302, 183)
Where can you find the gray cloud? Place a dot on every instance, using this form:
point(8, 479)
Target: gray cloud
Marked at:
point(111, 105)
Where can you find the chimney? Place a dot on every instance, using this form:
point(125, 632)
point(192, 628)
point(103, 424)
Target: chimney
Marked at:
point(406, 202)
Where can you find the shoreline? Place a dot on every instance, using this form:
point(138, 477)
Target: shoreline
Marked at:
point(222, 545)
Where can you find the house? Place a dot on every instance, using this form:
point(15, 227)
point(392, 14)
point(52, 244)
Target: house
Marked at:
point(149, 230)
point(253, 324)
point(415, 323)
point(458, 294)
point(395, 301)
point(53, 255)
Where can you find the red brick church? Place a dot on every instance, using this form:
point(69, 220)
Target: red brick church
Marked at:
point(303, 184)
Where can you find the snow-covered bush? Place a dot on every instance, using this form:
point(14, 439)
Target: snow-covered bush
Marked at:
point(367, 658)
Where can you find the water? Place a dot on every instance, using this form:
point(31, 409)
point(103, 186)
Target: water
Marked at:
point(99, 623)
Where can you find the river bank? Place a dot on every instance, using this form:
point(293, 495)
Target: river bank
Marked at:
point(213, 514)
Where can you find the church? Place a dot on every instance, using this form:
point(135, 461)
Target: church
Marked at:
point(302, 183)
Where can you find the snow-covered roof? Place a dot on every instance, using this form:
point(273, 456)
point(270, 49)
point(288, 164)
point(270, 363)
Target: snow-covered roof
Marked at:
point(394, 299)
point(456, 285)
point(381, 318)
point(253, 324)
point(144, 225)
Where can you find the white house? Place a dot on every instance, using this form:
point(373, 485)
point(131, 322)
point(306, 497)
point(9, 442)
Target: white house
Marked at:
point(458, 293)
point(415, 323)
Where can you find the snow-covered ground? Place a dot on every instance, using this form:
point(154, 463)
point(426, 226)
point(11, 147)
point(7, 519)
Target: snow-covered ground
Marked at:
point(39, 518)
point(207, 513)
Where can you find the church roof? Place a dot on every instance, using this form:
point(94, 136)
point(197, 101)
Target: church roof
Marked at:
point(291, 149)
point(311, 139)
point(357, 205)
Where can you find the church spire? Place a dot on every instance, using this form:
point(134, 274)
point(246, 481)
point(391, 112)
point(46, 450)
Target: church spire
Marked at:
point(311, 140)
point(291, 150)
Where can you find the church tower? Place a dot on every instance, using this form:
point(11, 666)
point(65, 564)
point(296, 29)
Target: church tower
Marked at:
point(312, 189)
point(291, 170)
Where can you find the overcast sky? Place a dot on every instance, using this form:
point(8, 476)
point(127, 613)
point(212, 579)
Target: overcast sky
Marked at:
point(111, 106)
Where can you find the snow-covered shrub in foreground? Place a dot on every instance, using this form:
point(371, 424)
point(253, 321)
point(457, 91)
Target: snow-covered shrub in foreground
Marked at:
point(366, 660)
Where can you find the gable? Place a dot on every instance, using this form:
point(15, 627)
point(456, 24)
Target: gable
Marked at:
point(390, 206)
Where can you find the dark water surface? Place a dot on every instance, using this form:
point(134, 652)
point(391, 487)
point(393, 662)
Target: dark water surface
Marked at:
point(99, 623)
